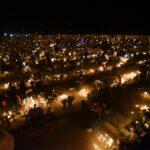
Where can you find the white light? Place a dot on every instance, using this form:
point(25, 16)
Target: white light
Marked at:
point(136, 122)
point(9, 112)
point(11, 35)
point(52, 44)
point(137, 106)
point(132, 112)
point(140, 62)
point(101, 68)
point(95, 146)
point(110, 142)
point(78, 63)
point(74, 58)
point(4, 114)
point(65, 59)
point(36, 61)
point(146, 125)
point(129, 76)
point(145, 107)
point(123, 80)
point(27, 69)
point(126, 55)
point(123, 59)
point(92, 70)
point(24, 63)
point(145, 93)
point(119, 65)
point(6, 85)
point(63, 96)
point(107, 57)
point(52, 59)
point(109, 68)
point(6, 72)
point(29, 102)
point(83, 93)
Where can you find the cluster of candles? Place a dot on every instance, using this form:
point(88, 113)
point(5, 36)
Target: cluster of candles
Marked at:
point(129, 76)
point(104, 141)
point(31, 102)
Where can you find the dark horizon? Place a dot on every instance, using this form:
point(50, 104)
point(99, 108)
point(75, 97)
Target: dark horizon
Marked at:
point(43, 30)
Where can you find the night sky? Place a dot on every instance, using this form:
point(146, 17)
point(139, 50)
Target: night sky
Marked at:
point(75, 17)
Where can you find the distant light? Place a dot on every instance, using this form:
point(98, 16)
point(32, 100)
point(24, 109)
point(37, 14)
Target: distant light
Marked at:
point(5, 34)
point(24, 63)
point(145, 93)
point(136, 122)
point(134, 46)
point(101, 68)
point(106, 56)
point(63, 96)
point(146, 125)
point(52, 59)
point(91, 70)
point(83, 92)
point(110, 142)
point(95, 146)
point(52, 44)
point(11, 35)
point(124, 59)
point(6, 85)
point(145, 107)
point(137, 106)
point(82, 40)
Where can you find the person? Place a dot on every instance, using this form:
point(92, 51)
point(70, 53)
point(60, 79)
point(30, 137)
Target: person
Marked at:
point(22, 88)
point(7, 141)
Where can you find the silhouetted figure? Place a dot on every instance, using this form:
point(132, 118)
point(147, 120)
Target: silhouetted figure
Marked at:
point(64, 102)
point(22, 88)
point(70, 100)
